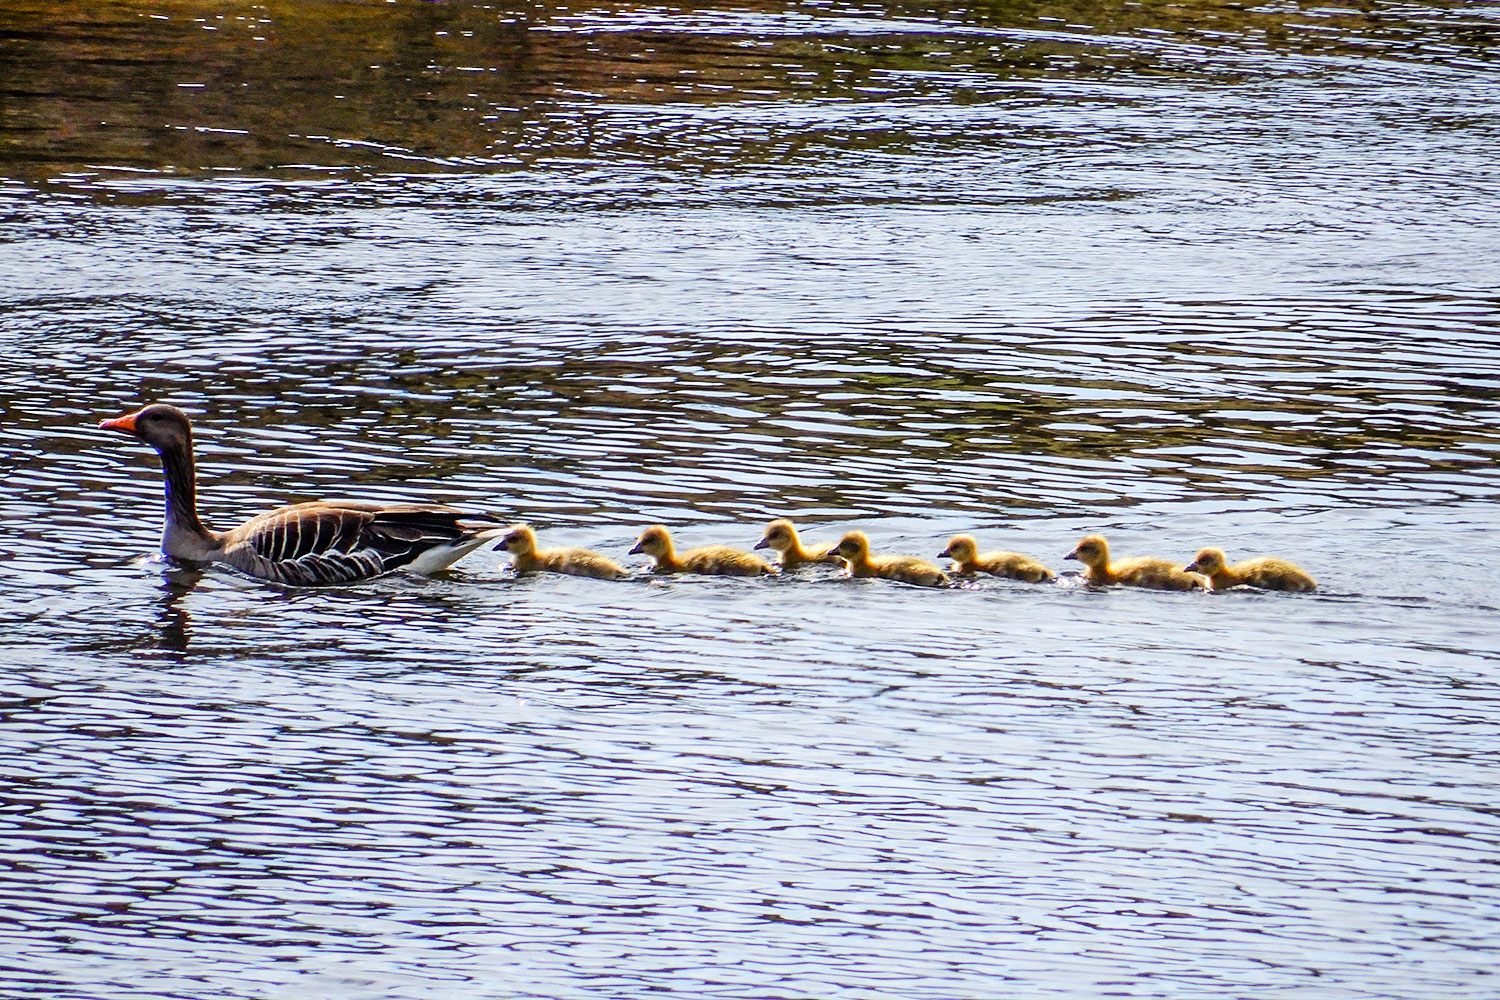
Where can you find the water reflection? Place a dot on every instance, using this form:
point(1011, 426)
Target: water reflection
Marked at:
point(1108, 409)
point(299, 88)
point(174, 624)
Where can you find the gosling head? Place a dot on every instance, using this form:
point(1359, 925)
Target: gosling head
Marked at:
point(161, 425)
point(961, 548)
point(780, 535)
point(853, 547)
point(520, 539)
point(654, 542)
point(1092, 551)
point(1207, 561)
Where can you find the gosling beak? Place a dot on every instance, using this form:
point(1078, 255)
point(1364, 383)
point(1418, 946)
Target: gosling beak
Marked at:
point(125, 424)
point(1191, 567)
point(635, 551)
point(764, 543)
point(945, 553)
point(1072, 555)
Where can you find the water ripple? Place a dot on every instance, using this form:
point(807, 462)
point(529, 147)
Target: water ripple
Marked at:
point(1030, 271)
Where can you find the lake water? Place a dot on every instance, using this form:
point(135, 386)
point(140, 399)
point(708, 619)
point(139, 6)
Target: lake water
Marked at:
point(1184, 274)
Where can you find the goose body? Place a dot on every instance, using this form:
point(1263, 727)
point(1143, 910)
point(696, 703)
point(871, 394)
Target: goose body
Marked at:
point(781, 536)
point(1263, 572)
point(717, 560)
point(854, 550)
point(964, 552)
point(1140, 571)
point(305, 544)
point(525, 557)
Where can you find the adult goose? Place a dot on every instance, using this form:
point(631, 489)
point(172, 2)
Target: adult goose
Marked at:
point(305, 544)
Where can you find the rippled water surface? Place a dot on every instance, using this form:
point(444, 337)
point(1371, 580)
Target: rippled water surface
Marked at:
point(1183, 274)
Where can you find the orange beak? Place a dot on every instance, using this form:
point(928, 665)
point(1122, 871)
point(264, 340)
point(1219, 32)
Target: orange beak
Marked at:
point(125, 424)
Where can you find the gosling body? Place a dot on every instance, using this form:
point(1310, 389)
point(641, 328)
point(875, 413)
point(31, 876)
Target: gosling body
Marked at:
point(716, 560)
point(1264, 572)
point(525, 557)
point(1139, 571)
point(854, 550)
point(967, 559)
point(781, 537)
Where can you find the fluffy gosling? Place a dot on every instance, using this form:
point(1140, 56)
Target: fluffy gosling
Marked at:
point(1263, 572)
point(854, 550)
point(1141, 571)
point(964, 552)
point(719, 560)
point(525, 557)
point(781, 536)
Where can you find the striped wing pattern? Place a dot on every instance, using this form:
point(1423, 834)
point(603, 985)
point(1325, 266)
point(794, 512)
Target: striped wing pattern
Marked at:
point(322, 543)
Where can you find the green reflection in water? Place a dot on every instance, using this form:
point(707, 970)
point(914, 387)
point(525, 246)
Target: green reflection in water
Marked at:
point(189, 86)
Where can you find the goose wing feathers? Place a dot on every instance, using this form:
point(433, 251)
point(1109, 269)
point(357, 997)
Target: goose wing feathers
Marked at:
point(324, 542)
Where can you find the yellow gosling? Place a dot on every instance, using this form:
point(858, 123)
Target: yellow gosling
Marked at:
point(1142, 571)
point(520, 542)
point(719, 560)
point(782, 537)
point(854, 550)
point(1264, 572)
point(964, 552)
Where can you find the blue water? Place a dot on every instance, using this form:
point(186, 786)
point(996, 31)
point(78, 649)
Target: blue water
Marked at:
point(1183, 275)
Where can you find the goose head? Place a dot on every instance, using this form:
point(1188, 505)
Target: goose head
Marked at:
point(1093, 551)
point(519, 539)
point(1207, 561)
point(961, 548)
point(780, 535)
point(654, 542)
point(854, 547)
point(161, 425)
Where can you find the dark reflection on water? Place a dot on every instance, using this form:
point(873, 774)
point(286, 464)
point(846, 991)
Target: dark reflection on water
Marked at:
point(299, 88)
point(1183, 273)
